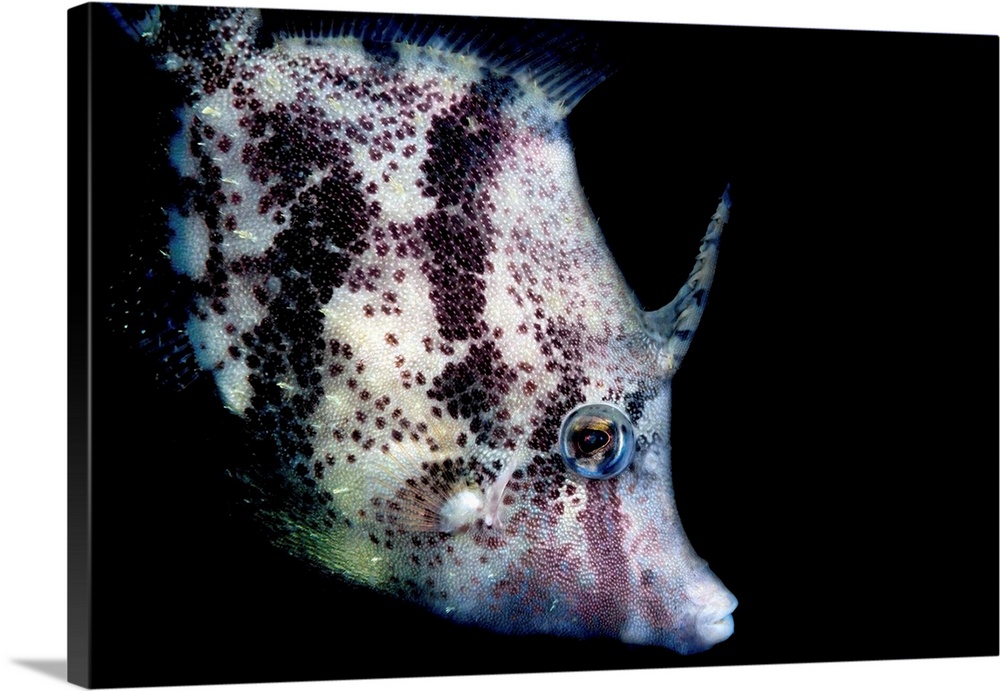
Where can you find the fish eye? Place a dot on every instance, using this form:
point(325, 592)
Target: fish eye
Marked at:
point(597, 441)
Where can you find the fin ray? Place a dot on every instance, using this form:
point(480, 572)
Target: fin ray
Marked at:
point(555, 55)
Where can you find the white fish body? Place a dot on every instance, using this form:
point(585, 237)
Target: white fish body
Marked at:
point(401, 288)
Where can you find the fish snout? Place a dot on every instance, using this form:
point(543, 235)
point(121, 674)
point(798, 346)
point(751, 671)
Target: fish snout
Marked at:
point(710, 610)
point(690, 619)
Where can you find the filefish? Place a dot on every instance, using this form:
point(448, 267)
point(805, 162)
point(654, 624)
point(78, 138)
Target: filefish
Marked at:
point(398, 285)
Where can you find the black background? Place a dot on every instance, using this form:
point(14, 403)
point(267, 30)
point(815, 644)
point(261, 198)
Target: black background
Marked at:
point(833, 447)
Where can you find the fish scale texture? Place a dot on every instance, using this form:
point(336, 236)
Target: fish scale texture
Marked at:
point(400, 287)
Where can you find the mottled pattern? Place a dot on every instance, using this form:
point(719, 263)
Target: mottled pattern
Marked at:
point(400, 286)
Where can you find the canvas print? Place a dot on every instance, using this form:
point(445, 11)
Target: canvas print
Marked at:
point(388, 312)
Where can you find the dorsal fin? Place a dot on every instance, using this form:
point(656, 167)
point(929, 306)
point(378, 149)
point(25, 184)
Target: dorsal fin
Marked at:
point(557, 57)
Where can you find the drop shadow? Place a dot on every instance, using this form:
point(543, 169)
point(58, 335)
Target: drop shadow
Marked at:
point(52, 668)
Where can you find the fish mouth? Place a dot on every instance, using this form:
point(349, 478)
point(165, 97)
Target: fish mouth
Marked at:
point(703, 619)
point(715, 624)
point(711, 611)
point(702, 626)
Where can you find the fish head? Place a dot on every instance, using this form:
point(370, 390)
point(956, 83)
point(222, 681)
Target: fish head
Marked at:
point(501, 427)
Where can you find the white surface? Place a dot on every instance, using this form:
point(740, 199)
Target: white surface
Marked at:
point(33, 275)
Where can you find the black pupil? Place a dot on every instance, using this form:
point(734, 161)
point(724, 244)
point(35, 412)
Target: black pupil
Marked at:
point(590, 440)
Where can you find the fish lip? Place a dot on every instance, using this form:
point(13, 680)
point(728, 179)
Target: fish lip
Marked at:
point(715, 624)
point(710, 613)
point(703, 627)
